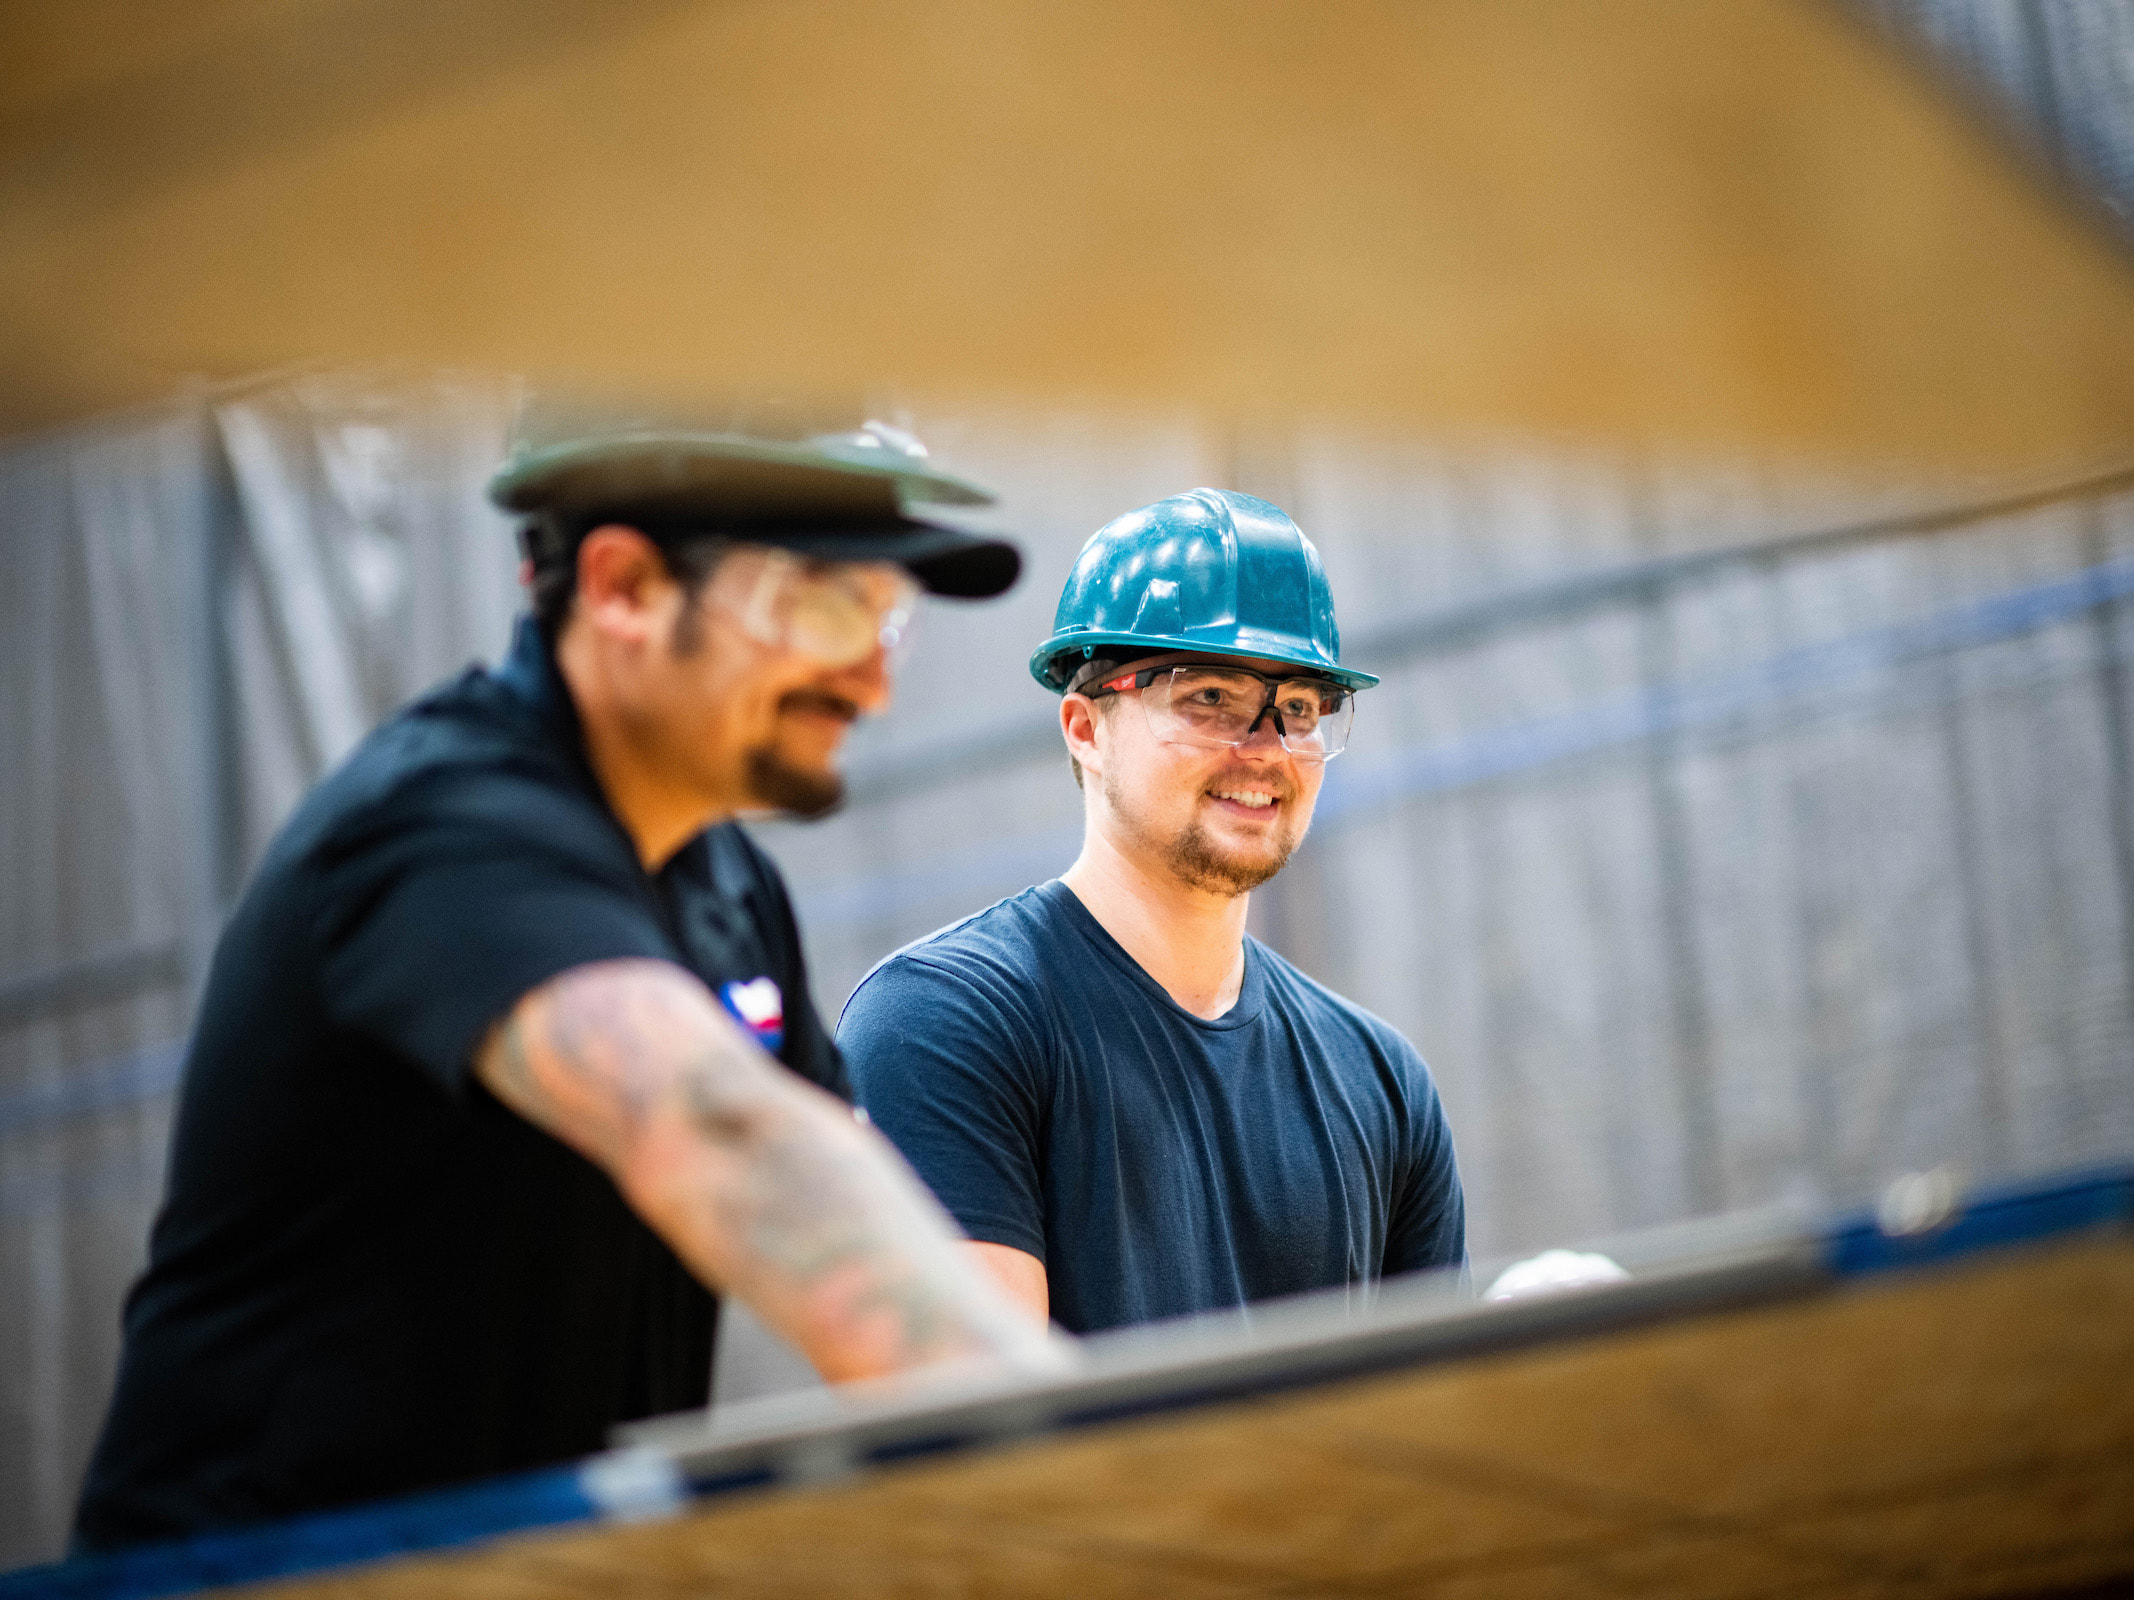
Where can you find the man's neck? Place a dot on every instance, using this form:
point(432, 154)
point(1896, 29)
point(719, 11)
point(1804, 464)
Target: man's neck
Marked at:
point(1191, 941)
point(658, 815)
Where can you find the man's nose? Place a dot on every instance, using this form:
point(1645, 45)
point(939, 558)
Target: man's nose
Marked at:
point(866, 683)
point(1265, 740)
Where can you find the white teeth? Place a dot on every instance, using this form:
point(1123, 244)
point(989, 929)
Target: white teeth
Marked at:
point(1242, 798)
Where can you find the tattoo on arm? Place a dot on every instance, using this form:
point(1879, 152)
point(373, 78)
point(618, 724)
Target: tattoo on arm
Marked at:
point(808, 1216)
point(590, 1055)
point(763, 1184)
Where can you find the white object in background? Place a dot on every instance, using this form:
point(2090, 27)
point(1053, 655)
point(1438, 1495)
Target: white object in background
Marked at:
point(1554, 1272)
point(1920, 1202)
point(750, 1361)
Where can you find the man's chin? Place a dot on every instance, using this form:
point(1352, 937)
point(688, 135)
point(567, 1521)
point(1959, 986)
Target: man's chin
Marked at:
point(1206, 863)
point(798, 791)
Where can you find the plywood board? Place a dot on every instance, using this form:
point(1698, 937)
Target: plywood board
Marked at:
point(1960, 1432)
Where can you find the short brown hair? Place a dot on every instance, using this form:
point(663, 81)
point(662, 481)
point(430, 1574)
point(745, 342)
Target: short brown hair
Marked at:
point(690, 559)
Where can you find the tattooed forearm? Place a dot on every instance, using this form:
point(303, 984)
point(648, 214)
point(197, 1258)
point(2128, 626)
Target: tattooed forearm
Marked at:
point(764, 1185)
point(590, 1054)
point(823, 1228)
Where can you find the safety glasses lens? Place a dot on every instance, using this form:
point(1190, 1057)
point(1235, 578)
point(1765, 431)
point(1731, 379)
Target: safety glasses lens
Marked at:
point(838, 614)
point(1213, 706)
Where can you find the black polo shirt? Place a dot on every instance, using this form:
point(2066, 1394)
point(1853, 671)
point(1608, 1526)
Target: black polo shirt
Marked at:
point(368, 1276)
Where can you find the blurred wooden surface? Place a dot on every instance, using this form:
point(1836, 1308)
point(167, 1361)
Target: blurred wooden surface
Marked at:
point(1967, 1433)
point(1741, 227)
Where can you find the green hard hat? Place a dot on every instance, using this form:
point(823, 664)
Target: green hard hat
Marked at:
point(842, 496)
point(1209, 570)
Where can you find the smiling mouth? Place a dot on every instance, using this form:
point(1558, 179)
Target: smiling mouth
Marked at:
point(1249, 798)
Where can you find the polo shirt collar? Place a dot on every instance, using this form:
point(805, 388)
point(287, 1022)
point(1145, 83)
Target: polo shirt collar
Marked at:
point(530, 673)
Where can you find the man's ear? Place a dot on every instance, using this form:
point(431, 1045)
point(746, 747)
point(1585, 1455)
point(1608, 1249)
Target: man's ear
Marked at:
point(1078, 724)
point(624, 587)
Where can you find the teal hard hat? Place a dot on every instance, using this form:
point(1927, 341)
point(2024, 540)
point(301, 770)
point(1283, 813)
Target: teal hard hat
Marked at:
point(1209, 570)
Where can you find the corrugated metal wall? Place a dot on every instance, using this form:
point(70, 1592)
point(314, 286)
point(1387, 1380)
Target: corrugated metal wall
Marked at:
point(1709, 865)
point(207, 605)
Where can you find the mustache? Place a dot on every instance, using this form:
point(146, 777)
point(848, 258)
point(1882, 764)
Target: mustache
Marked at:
point(821, 702)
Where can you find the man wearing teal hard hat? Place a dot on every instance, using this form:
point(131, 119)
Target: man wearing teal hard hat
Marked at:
point(508, 1064)
point(1135, 1109)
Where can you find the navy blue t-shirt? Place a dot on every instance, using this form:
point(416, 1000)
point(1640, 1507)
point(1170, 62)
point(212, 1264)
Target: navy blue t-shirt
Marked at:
point(1059, 1101)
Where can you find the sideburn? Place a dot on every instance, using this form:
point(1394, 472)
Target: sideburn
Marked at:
point(691, 563)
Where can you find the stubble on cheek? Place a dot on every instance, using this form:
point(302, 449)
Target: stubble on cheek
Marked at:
point(1191, 851)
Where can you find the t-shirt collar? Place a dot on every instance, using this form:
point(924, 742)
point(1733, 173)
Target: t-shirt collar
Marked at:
point(1251, 991)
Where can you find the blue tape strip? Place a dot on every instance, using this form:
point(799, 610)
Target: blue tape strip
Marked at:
point(418, 1523)
point(1989, 1220)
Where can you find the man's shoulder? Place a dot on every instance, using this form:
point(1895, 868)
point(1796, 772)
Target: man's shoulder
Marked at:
point(1000, 951)
point(1376, 1054)
point(466, 756)
point(1297, 991)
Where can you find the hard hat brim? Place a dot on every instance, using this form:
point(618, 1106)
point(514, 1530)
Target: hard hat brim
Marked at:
point(1070, 648)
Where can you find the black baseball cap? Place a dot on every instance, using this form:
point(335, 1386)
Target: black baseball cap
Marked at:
point(837, 497)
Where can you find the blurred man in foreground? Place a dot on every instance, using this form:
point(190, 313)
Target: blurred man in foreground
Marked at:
point(1133, 1108)
point(508, 1060)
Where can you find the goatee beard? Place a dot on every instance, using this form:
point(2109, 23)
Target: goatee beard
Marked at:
point(795, 790)
point(1197, 864)
point(790, 789)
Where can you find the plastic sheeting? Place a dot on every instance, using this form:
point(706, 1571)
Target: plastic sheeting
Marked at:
point(207, 605)
point(2063, 70)
point(105, 800)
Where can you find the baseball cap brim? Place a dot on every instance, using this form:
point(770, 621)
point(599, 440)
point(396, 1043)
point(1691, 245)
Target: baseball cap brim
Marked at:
point(946, 561)
point(725, 475)
point(835, 497)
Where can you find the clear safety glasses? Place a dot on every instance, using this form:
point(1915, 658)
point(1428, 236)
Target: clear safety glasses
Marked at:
point(837, 613)
point(1218, 706)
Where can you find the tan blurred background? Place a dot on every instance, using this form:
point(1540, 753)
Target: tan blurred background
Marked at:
point(1733, 227)
point(1716, 419)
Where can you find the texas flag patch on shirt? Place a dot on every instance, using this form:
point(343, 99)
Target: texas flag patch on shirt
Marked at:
point(759, 1007)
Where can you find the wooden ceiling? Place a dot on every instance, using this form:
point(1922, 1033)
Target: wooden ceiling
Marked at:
point(1743, 227)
